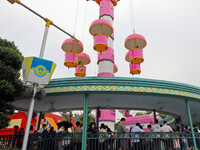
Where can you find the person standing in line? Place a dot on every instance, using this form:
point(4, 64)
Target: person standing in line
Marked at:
point(51, 141)
point(31, 130)
point(20, 138)
point(149, 127)
point(93, 142)
point(157, 141)
point(102, 126)
point(168, 143)
point(156, 127)
point(78, 135)
point(42, 129)
point(165, 127)
point(136, 141)
point(103, 137)
point(121, 143)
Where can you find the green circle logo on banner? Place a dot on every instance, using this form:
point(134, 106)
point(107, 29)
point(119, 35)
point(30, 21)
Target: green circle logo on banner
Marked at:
point(40, 71)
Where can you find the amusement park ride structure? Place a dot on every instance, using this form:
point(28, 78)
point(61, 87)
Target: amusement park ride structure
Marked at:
point(105, 92)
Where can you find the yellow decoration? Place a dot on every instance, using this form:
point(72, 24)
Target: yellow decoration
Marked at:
point(100, 47)
point(70, 64)
point(137, 60)
point(135, 71)
point(48, 22)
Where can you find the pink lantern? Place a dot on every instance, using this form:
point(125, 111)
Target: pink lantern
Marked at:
point(70, 60)
point(83, 59)
point(135, 69)
point(100, 43)
point(135, 41)
point(80, 71)
point(115, 69)
point(71, 46)
point(101, 26)
point(136, 56)
point(101, 29)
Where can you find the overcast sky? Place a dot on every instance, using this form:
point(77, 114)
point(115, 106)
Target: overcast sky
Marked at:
point(171, 28)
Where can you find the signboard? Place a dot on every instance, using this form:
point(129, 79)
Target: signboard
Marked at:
point(37, 70)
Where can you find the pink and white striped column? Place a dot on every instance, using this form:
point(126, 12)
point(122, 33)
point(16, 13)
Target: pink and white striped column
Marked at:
point(106, 59)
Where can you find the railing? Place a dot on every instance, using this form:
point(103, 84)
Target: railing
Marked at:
point(103, 141)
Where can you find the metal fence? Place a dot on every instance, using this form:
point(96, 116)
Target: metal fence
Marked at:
point(103, 141)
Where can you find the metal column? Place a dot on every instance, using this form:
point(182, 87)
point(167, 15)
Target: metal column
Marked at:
point(25, 140)
point(191, 124)
point(85, 116)
point(40, 118)
point(28, 123)
point(154, 115)
point(98, 115)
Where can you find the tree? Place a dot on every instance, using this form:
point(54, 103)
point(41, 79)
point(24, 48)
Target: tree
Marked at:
point(91, 118)
point(68, 114)
point(10, 85)
point(163, 116)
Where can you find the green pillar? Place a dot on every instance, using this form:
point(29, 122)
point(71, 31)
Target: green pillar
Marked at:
point(154, 115)
point(85, 116)
point(180, 121)
point(98, 115)
point(40, 118)
point(191, 124)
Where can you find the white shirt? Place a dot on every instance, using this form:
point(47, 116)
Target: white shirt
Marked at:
point(165, 128)
point(40, 130)
point(155, 128)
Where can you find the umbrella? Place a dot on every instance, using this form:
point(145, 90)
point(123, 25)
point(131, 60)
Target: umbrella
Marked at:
point(66, 124)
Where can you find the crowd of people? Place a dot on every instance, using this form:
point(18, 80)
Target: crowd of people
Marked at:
point(157, 142)
point(103, 138)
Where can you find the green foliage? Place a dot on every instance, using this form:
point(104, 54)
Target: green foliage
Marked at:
point(68, 114)
point(11, 148)
point(143, 113)
point(10, 85)
point(139, 114)
point(163, 116)
point(91, 118)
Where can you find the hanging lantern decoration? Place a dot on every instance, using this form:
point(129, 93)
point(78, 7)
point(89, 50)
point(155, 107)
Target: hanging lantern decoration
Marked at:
point(71, 60)
point(135, 41)
point(101, 29)
point(135, 44)
point(135, 69)
point(82, 59)
point(80, 71)
point(115, 69)
point(136, 56)
point(72, 46)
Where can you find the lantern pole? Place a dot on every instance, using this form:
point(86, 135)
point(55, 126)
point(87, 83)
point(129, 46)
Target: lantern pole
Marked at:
point(48, 23)
point(30, 114)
